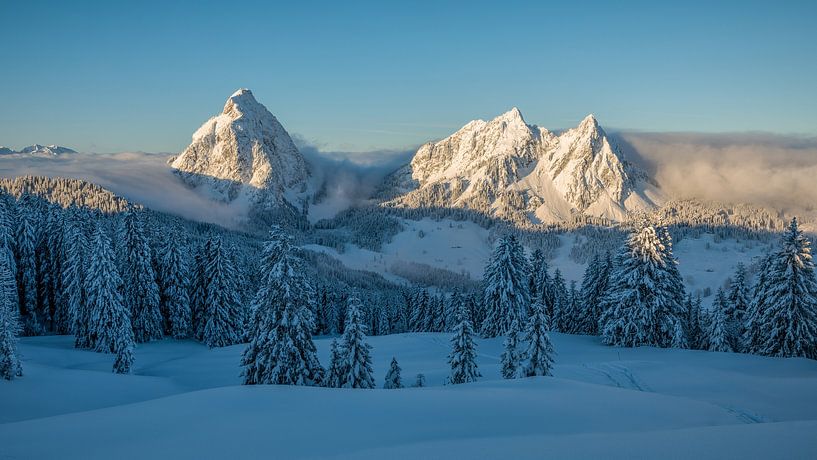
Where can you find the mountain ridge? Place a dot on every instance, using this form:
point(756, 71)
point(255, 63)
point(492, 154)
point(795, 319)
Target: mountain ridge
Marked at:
point(508, 168)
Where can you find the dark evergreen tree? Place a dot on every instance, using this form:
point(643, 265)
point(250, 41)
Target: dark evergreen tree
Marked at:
point(198, 289)
point(140, 291)
point(511, 355)
point(539, 354)
point(719, 333)
point(109, 328)
point(506, 287)
point(174, 285)
point(281, 350)
point(334, 374)
point(786, 321)
point(738, 305)
point(356, 353)
point(463, 357)
point(10, 366)
point(393, 380)
point(643, 305)
point(27, 273)
point(561, 302)
point(594, 287)
point(223, 313)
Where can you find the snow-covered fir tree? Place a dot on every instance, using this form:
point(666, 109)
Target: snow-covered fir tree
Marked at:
point(198, 289)
point(786, 320)
point(356, 353)
point(174, 289)
point(74, 276)
point(463, 356)
point(505, 294)
point(738, 304)
point(720, 335)
point(26, 262)
point(453, 305)
point(393, 380)
point(561, 303)
point(50, 254)
point(281, 350)
point(539, 354)
point(420, 381)
point(594, 287)
point(223, 315)
point(573, 313)
point(753, 332)
point(643, 305)
point(140, 291)
point(420, 310)
point(10, 366)
point(511, 354)
point(695, 338)
point(109, 328)
point(334, 373)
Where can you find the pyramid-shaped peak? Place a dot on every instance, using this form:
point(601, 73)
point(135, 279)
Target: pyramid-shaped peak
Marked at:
point(589, 123)
point(244, 101)
point(511, 115)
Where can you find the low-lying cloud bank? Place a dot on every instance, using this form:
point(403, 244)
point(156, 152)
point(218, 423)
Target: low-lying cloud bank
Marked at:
point(766, 169)
point(143, 178)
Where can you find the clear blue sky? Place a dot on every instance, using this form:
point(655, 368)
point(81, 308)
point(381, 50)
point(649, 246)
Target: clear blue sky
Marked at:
point(356, 76)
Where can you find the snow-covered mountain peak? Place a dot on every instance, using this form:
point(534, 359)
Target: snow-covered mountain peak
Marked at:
point(509, 168)
point(37, 149)
point(244, 151)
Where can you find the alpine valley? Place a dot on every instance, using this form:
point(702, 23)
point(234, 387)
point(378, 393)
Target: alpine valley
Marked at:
point(552, 296)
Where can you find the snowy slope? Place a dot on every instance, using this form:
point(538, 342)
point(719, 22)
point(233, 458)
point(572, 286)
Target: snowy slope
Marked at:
point(508, 168)
point(244, 153)
point(466, 247)
point(184, 400)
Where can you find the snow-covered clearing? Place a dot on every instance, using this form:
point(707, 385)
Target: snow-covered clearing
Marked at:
point(185, 401)
point(465, 246)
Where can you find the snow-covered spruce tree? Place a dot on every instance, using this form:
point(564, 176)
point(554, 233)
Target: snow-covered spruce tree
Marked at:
point(719, 333)
point(420, 381)
point(594, 287)
point(334, 374)
point(753, 333)
point(74, 276)
point(738, 304)
point(223, 314)
point(537, 273)
point(27, 273)
point(420, 311)
point(174, 289)
point(573, 313)
point(453, 305)
point(198, 289)
point(788, 319)
point(511, 355)
point(393, 380)
point(356, 353)
point(539, 354)
point(109, 328)
point(49, 261)
point(10, 366)
point(672, 325)
point(124, 359)
point(506, 294)
point(463, 357)
point(694, 331)
point(561, 301)
point(281, 350)
point(140, 291)
point(643, 305)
